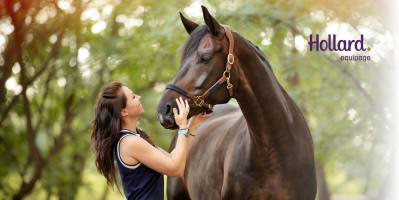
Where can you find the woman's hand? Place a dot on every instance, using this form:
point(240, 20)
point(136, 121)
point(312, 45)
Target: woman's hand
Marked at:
point(197, 120)
point(181, 116)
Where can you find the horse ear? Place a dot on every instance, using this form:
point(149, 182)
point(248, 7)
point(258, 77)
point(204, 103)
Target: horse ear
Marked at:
point(211, 22)
point(188, 24)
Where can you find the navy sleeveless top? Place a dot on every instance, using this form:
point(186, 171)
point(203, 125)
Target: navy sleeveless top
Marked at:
point(139, 181)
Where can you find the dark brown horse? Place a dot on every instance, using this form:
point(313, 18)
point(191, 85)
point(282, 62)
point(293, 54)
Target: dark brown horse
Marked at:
point(261, 150)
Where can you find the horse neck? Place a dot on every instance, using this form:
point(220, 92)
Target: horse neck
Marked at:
point(262, 100)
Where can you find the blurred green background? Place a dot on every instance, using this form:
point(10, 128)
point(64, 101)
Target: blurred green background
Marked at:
point(57, 54)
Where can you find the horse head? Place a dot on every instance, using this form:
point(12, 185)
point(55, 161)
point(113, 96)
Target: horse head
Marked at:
point(203, 63)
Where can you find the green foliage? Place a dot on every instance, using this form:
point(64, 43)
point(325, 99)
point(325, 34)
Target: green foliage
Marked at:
point(140, 46)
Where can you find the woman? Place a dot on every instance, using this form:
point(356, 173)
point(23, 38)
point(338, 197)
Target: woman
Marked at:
point(141, 164)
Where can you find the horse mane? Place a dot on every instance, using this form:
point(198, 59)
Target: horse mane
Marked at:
point(276, 85)
point(258, 51)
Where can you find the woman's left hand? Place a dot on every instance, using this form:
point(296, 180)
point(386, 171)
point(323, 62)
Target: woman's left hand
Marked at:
point(181, 114)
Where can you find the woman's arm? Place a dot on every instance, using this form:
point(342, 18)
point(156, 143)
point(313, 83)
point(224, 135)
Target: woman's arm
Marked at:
point(171, 164)
point(163, 151)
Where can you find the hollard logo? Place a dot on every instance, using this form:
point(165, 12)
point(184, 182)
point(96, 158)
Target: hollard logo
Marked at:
point(332, 44)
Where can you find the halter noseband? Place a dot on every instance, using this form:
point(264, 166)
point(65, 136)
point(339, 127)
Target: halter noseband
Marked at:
point(200, 100)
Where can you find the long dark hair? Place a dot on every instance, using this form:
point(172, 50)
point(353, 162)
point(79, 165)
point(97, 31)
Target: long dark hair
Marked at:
point(106, 127)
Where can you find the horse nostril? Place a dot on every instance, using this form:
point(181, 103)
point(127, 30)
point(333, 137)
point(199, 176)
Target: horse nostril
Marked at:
point(168, 109)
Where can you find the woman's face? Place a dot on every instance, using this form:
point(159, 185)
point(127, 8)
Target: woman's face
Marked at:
point(133, 104)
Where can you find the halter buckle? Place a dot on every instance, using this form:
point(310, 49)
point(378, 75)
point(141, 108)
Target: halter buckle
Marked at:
point(229, 85)
point(230, 58)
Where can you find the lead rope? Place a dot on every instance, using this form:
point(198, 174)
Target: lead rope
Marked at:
point(165, 187)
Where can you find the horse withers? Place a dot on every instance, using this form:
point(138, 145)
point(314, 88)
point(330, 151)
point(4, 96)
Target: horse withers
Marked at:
point(260, 150)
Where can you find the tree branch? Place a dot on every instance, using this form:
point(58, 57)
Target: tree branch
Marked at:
point(44, 98)
point(27, 187)
point(14, 47)
point(53, 54)
point(363, 91)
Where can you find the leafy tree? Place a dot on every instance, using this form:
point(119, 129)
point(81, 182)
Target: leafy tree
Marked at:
point(57, 54)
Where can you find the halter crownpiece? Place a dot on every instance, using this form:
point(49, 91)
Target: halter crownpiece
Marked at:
point(200, 100)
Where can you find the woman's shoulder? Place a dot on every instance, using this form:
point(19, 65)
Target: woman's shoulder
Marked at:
point(133, 141)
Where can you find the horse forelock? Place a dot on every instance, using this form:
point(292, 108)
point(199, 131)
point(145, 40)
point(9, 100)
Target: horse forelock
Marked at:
point(194, 41)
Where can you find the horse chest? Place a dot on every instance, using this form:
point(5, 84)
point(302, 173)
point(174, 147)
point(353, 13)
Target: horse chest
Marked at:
point(207, 169)
point(223, 169)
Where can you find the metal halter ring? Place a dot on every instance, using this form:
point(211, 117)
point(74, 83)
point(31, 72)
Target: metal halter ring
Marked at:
point(226, 74)
point(230, 58)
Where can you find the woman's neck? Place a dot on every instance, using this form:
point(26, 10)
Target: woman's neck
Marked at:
point(129, 124)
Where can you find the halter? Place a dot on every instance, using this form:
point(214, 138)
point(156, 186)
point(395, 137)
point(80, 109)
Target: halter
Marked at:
point(200, 100)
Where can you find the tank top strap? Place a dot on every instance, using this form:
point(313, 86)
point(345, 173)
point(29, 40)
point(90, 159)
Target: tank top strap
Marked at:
point(125, 133)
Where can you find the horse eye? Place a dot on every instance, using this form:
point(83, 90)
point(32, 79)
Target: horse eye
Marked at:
point(204, 59)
